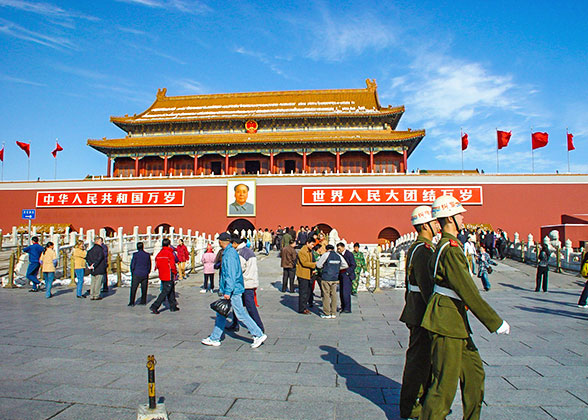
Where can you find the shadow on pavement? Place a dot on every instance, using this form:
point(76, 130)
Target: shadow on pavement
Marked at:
point(560, 312)
point(357, 376)
point(290, 301)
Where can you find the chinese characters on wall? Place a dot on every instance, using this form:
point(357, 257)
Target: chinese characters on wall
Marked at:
point(387, 195)
point(111, 198)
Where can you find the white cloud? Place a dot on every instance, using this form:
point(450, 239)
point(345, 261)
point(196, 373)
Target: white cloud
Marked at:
point(156, 53)
point(12, 79)
point(46, 9)
point(87, 74)
point(273, 66)
point(190, 86)
point(56, 42)
point(186, 6)
point(336, 37)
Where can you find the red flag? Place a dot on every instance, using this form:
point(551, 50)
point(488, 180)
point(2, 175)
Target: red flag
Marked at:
point(464, 141)
point(570, 142)
point(539, 140)
point(503, 138)
point(58, 148)
point(2, 154)
point(25, 146)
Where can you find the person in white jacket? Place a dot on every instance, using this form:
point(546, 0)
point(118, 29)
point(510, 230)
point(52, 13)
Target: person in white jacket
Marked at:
point(250, 278)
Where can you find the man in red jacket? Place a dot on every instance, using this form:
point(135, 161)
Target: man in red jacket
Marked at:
point(165, 261)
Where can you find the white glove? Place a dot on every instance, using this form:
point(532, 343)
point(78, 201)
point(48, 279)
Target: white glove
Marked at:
point(504, 328)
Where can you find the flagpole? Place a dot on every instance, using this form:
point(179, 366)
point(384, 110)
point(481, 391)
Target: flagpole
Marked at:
point(461, 141)
point(3, 143)
point(568, 147)
point(532, 153)
point(497, 164)
point(29, 168)
point(56, 142)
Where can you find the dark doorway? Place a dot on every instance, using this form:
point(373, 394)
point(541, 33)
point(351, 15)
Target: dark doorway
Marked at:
point(323, 227)
point(110, 232)
point(388, 235)
point(252, 166)
point(239, 225)
point(290, 166)
point(165, 227)
point(216, 167)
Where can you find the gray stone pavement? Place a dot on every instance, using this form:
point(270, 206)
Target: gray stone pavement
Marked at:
point(68, 358)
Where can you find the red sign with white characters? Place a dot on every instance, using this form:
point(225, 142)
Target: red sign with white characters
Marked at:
point(387, 195)
point(111, 198)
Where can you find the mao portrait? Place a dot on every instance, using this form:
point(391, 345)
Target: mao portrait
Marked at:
point(241, 198)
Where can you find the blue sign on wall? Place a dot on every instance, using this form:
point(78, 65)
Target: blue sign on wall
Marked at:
point(29, 213)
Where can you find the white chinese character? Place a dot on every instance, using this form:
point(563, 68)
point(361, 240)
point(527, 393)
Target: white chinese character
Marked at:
point(373, 195)
point(106, 198)
point(392, 195)
point(336, 195)
point(465, 195)
point(355, 195)
point(63, 198)
point(122, 198)
point(447, 192)
point(410, 195)
point(153, 197)
point(77, 198)
point(48, 199)
point(169, 196)
point(318, 195)
point(429, 195)
point(92, 198)
point(137, 198)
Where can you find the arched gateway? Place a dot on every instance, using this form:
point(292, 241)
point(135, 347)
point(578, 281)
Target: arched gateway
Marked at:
point(240, 224)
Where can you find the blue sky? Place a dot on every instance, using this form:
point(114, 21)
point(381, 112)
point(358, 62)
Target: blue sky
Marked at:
point(68, 66)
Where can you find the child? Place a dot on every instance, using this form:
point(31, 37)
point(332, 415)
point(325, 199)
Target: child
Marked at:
point(484, 263)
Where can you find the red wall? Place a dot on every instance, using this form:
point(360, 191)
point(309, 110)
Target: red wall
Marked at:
point(512, 207)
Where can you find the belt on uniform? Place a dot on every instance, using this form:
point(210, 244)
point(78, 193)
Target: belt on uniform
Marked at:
point(413, 288)
point(445, 292)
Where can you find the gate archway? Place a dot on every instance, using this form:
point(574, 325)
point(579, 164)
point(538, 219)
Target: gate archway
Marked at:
point(323, 227)
point(165, 227)
point(240, 224)
point(387, 235)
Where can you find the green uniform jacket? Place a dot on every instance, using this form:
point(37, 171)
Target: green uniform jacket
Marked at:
point(444, 315)
point(417, 274)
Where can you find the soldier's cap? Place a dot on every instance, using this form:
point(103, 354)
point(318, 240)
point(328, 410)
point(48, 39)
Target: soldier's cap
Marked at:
point(224, 237)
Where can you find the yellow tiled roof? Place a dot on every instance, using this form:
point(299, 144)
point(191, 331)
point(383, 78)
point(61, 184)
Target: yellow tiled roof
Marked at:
point(259, 105)
point(349, 136)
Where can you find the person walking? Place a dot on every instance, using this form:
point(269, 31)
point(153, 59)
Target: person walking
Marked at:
point(48, 262)
point(140, 269)
point(542, 268)
point(416, 376)
point(484, 270)
point(105, 275)
point(79, 259)
point(165, 261)
point(584, 273)
point(97, 264)
point(208, 260)
point(267, 241)
point(454, 356)
point(471, 254)
point(304, 267)
point(288, 264)
point(231, 286)
point(360, 265)
point(330, 264)
point(346, 278)
point(183, 256)
point(34, 250)
point(250, 280)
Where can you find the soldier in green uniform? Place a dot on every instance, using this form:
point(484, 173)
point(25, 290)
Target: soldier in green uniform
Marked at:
point(419, 287)
point(454, 357)
point(360, 265)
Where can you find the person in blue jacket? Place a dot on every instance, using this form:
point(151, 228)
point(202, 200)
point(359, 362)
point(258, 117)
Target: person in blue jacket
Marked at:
point(140, 269)
point(34, 250)
point(231, 286)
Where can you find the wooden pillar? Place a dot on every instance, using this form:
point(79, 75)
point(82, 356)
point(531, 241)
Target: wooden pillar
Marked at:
point(371, 160)
point(304, 161)
point(109, 167)
point(404, 160)
point(195, 164)
point(338, 165)
point(271, 168)
point(227, 164)
point(165, 165)
point(136, 167)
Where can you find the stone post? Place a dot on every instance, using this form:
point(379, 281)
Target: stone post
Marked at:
point(90, 237)
point(149, 243)
point(120, 238)
point(66, 236)
point(14, 236)
point(171, 234)
point(160, 234)
point(136, 235)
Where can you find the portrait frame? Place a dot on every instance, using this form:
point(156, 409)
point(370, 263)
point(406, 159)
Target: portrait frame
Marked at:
point(248, 209)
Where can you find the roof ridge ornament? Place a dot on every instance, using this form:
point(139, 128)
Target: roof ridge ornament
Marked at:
point(161, 93)
point(371, 84)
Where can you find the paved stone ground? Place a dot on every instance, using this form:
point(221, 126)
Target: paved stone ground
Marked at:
point(68, 358)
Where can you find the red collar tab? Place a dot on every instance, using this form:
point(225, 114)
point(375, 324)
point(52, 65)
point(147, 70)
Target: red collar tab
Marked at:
point(453, 243)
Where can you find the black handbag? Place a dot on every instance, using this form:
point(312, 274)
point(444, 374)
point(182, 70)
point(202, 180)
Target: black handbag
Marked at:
point(222, 306)
point(490, 270)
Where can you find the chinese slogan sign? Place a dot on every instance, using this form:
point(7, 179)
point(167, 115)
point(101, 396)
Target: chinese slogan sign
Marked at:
point(111, 198)
point(389, 195)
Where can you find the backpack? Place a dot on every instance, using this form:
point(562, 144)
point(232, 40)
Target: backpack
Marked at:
point(584, 271)
point(330, 271)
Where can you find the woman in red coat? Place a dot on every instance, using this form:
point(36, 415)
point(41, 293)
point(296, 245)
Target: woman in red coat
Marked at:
point(183, 255)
